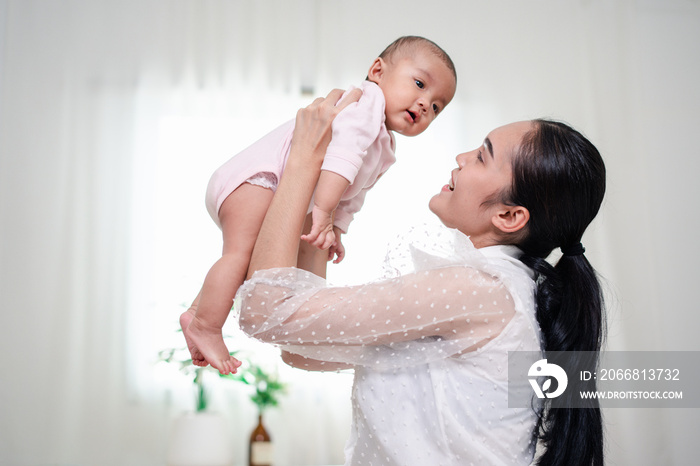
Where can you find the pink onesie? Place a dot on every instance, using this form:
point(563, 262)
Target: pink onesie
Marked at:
point(361, 150)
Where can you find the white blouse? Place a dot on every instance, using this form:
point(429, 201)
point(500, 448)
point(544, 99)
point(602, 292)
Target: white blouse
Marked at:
point(429, 344)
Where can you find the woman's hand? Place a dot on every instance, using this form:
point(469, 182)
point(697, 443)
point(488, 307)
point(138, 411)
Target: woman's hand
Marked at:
point(312, 131)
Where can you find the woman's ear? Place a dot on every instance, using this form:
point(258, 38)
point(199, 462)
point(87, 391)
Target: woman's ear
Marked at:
point(510, 219)
point(376, 70)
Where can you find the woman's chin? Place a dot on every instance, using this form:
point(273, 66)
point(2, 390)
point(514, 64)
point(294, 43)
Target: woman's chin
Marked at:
point(434, 206)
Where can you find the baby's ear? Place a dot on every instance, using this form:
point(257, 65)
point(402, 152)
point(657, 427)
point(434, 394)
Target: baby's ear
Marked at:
point(376, 71)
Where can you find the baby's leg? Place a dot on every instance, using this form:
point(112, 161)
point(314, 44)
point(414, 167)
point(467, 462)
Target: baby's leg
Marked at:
point(241, 216)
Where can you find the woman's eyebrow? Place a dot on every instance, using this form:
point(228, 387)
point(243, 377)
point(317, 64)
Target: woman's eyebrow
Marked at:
point(489, 146)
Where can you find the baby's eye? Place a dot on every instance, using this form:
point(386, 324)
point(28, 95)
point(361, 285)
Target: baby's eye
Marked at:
point(420, 84)
point(436, 109)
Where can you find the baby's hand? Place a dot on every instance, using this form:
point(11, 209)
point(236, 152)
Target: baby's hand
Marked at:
point(321, 235)
point(337, 248)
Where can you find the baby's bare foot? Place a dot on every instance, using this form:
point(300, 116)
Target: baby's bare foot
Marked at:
point(197, 357)
point(206, 345)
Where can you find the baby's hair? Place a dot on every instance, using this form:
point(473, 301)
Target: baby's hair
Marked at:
point(407, 44)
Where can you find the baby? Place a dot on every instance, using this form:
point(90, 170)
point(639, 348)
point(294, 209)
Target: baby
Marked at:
point(406, 87)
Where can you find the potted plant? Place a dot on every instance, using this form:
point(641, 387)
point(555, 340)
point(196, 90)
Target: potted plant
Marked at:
point(267, 389)
point(201, 437)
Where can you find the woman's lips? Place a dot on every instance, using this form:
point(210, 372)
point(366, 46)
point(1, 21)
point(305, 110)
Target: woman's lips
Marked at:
point(449, 186)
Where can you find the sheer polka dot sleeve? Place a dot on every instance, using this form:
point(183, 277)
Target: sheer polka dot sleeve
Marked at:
point(446, 310)
point(417, 317)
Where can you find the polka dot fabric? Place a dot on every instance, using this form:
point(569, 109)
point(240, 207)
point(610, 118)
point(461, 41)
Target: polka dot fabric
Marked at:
point(429, 344)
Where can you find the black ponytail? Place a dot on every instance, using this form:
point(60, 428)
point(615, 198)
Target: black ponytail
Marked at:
point(559, 176)
point(570, 314)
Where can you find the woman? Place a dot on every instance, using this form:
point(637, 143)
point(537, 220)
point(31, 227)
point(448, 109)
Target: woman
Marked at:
point(429, 347)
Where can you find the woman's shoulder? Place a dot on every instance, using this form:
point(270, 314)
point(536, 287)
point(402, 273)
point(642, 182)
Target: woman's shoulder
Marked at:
point(429, 246)
point(506, 258)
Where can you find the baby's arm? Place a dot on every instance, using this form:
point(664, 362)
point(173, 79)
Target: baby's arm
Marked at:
point(329, 190)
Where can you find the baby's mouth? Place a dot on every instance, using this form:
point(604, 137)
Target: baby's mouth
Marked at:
point(413, 115)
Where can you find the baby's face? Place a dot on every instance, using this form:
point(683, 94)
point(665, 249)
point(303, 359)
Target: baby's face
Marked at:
point(416, 88)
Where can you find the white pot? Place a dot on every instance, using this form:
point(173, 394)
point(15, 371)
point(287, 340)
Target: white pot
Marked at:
point(200, 439)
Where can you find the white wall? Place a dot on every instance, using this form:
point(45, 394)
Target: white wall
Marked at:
point(82, 83)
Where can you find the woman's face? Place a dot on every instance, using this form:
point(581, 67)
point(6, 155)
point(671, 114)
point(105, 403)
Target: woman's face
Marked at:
point(481, 175)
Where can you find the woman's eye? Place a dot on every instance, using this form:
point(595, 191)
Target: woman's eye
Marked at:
point(420, 84)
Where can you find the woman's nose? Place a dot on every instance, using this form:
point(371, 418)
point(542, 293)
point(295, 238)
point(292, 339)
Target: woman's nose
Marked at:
point(461, 159)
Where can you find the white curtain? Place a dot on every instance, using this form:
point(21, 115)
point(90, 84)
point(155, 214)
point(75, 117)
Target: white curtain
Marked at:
point(99, 100)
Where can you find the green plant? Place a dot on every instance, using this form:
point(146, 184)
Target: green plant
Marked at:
point(267, 386)
point(174, 356)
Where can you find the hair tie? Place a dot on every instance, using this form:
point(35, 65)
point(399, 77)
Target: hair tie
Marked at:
point(575, 250)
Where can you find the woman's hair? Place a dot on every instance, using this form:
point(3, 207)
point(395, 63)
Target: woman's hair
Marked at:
point(559, 176)
point(407, 45)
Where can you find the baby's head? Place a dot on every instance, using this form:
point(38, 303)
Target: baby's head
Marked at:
point(418, 80)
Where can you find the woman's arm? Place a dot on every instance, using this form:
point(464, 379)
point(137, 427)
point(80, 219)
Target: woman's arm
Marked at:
point(308, 364)
point(278, 240)
point(291, 307)
point(423, 316)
